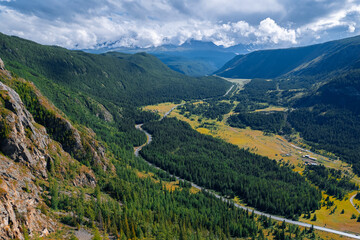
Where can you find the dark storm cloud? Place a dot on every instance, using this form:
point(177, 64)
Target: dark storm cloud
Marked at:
point(64, 10)
point(306, 11)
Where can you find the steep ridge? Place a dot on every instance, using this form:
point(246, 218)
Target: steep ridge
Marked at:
point(29, 155)
point(320, 59)
point(340, 92)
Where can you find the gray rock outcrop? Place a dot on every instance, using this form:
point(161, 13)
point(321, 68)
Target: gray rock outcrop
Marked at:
point(2, 66)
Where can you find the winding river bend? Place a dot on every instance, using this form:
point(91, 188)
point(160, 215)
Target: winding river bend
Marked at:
point(325, 229)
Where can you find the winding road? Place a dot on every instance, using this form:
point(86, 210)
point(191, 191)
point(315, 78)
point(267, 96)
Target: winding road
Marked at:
point(149, 139)
point(352, 202)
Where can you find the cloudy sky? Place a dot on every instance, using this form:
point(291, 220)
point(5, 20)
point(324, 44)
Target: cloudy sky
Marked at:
point(79, 24)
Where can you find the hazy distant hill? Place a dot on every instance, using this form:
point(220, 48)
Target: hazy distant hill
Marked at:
point(193, 58)
point(320, 59)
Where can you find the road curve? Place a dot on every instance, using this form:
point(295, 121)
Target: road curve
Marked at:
point(278, 218)
point(352, 203)
point(148, 135)
point(148, 141)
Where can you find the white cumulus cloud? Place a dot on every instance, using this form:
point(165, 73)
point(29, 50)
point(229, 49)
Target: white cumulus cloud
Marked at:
point(142, 23)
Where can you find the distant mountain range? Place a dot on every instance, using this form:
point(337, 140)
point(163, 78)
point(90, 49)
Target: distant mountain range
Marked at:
point(194, 58)
point(320, 59)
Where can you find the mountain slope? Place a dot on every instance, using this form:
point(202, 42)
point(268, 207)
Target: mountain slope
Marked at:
point(107, 89)
point(30, 158)
point(319, 83)
point(118, 79)
point(320, 59)
point(194, 63)
point(329, 117)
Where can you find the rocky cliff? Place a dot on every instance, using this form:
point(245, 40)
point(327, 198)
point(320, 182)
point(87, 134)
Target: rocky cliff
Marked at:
point(28, 154)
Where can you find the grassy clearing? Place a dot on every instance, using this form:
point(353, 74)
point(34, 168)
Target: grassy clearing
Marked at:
point(194, 190)
point(161, 108)
point(272, 109)
point(331, 236)
point(170, 186)
point(336, 219)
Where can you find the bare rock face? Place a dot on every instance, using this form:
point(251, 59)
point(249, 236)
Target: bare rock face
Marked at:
point(85, 178)
point(20, 202)
point(25, 146)
point(25, 143)
point(105, 114)
point(2, 66)
point(28, 143)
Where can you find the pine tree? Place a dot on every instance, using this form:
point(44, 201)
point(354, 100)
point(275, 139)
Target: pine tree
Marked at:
point(126, 227)
point(97, 235)
point(26, 232)
point(182, 235)
point(54, 193)
point(133, 234)
point(97, 192)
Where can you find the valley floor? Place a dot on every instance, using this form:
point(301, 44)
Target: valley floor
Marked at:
point(277, 147)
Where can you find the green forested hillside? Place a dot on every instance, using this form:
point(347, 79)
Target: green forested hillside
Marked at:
point(103, 91)
point(329, 118)
point(131, 199)
point(221, 166)
point(140, 78)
